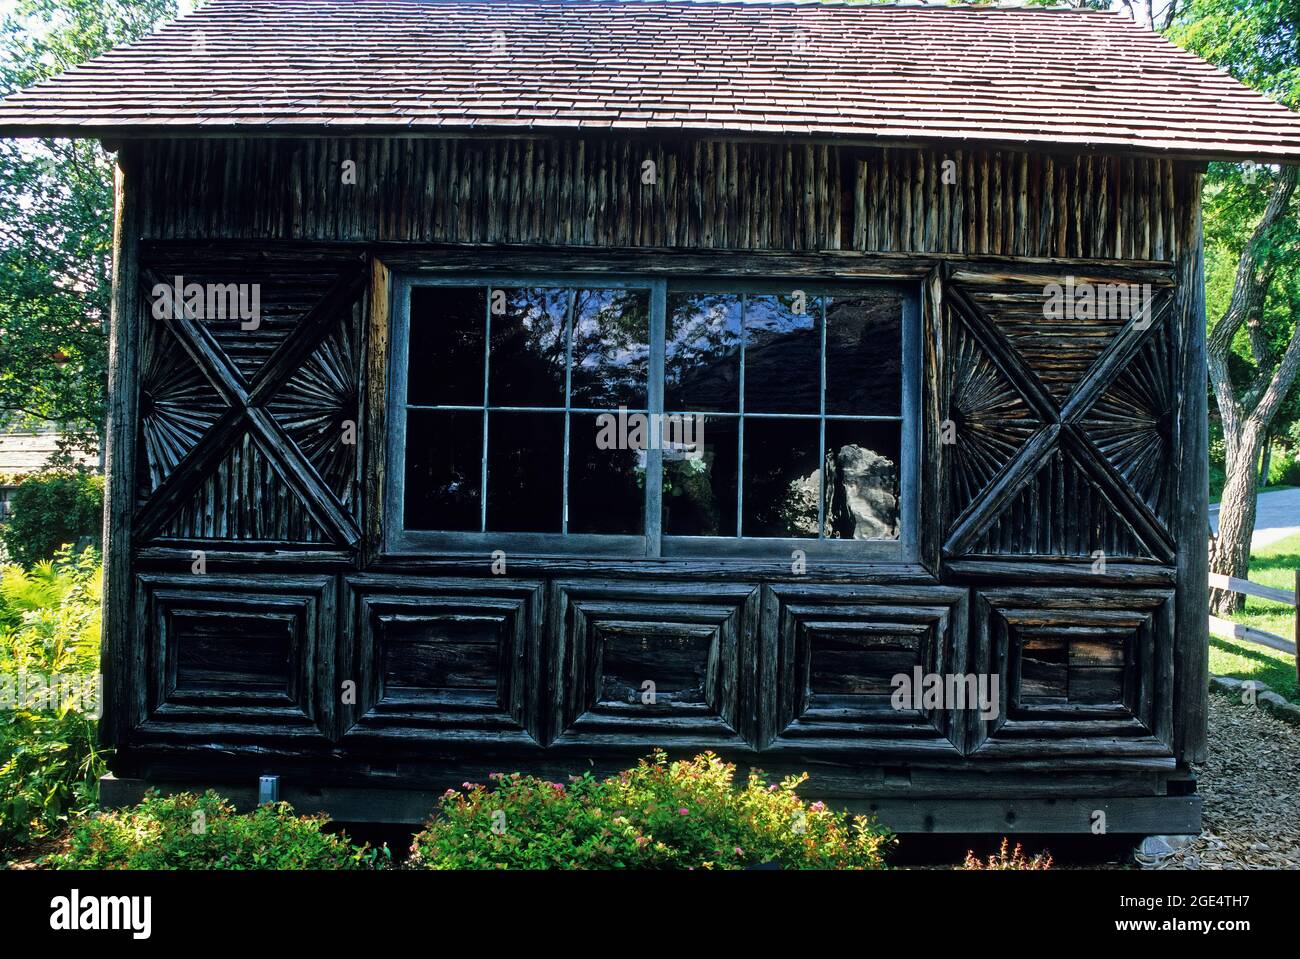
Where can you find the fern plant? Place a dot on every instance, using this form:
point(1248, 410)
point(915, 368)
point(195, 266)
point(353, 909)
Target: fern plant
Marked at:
point(49, 633)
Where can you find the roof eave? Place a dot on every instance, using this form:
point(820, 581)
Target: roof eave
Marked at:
point(114, 133)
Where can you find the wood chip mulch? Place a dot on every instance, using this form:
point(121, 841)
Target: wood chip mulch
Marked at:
point(1251, 791)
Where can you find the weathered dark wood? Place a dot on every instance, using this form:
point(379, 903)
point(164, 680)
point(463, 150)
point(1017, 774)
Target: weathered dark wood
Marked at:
point(1074, 437)
point(121, 650)
point(1191, 476)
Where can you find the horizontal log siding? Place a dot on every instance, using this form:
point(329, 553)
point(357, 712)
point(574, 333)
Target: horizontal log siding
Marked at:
point(706, 195)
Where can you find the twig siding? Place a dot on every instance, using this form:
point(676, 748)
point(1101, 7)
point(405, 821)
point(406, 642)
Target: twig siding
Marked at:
point(704, 195)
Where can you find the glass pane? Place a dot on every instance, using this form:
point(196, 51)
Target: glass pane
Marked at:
point(783, 354)
point(702, 356)
point(782, 476)
point(862, 470)
point(444, 465)
point(526, 367)
point(700, 493)
point(445, 366)
point(611, 349)
point(864, 355)
point(525, 472)
point(606, 483)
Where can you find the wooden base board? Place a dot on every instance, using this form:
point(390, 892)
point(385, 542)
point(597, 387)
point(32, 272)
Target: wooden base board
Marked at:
point(1146, 815)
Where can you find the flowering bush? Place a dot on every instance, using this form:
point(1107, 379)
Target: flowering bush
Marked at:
point(187, 831)
point(1016, 859)
point(658, 815)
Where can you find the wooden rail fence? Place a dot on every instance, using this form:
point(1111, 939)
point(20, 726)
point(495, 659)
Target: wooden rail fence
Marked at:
point(1229, 630)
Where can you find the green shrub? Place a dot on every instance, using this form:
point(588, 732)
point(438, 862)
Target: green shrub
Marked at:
point(1002, 859)
point(658, 815)
point(50, 510)
point(187, 831)
point(49, 628)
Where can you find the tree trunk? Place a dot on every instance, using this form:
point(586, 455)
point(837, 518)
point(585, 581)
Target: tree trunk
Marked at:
point(1230, 553)
point(1246, 424)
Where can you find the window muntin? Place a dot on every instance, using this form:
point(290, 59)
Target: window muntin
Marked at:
point(804, 394)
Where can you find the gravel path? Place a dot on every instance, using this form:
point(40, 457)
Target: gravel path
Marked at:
point(1251, 790)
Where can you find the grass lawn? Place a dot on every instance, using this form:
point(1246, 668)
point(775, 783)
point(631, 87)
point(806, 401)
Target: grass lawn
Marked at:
point(1272, 565)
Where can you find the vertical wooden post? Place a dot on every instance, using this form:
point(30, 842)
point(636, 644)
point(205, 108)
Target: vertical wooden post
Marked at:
point(122, 658)
point(1192, 650)
point(1295, 631)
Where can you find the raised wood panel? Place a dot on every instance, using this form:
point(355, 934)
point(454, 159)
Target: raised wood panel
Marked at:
point(442, 662)
point(1082, 671)
point(248, 659)
point(635, 666)
point(834, 652)
point(705, 194)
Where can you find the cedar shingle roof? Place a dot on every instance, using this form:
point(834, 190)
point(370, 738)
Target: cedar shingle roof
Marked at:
point(1074, 78)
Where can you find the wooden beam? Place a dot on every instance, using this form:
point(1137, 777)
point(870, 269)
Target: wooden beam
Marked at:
point(1233, 584)
point(122, 643)
point(1227, 629)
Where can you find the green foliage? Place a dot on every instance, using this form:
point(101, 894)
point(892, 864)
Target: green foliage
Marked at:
point(1002, 859)
point(51, 510)
point(56, 202)
point(1258, 42)
point(1273, 565)
point(659, 815)
point(49, 627)
point(187, 831)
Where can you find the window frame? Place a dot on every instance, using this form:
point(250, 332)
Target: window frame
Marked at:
point(653, 544)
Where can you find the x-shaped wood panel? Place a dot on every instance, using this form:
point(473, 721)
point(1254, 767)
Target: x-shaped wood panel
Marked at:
point(1061, 424)
point(247, 399)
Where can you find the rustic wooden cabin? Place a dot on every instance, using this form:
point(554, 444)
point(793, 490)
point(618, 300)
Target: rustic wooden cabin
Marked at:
point(928, 280)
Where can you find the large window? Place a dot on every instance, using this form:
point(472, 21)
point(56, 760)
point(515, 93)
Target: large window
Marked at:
point(652, 418)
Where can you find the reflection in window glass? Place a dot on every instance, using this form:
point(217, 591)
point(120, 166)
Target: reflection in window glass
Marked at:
point(700, 492)
point(800, 395)
point(864, 355)
point(862, 480)
point(525, 472)
point(444, 463)
point(445, 358)
point(702, 353)
point(611, 349)
point(529, 346)
point(606, 486)
point(783, 349)
point(782, 477)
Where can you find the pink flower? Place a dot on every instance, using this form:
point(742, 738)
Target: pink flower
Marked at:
point(739, 851)
point(683, 811)
point(558, 787)
point(817, 806)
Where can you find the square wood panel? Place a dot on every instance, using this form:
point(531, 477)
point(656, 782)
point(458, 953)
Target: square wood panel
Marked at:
point(641, 665)
point(834, 653)
point(1077, 665)
point(247, 657)
point(442, 660)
